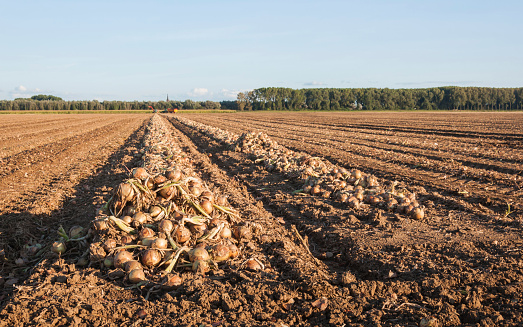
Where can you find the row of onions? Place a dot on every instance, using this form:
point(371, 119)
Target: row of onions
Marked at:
point(164, 220)
point(319, 177)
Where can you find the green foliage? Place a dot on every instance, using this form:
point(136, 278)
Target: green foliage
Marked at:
point(438, 98)
point(43, 97)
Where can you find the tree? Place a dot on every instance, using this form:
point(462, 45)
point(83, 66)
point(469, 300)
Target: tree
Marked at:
point(42, 97)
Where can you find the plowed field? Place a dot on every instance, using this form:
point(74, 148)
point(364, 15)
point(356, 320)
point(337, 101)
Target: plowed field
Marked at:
point(326, 263)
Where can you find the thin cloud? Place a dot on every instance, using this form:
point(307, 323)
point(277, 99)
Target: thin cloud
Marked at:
point(198, 92)
point(23, 92)
point(230, 94)
point(314, 83)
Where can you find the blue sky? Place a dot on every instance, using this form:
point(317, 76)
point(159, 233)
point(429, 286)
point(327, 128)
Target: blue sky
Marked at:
point(211, 50)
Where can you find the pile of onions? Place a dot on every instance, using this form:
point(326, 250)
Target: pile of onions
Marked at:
point(164, 221)
point(319, 177)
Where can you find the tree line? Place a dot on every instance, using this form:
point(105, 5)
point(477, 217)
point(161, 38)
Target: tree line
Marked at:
point(47, 102)
point(279, 98)
point(436, 98)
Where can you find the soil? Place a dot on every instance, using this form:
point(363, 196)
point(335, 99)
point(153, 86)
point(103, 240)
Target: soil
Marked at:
point(326, 264)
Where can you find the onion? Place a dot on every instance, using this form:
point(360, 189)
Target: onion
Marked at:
point(356, 173)
point(207, 195)
point(168, 192)
point(242, 232)
point(233, 251)
point(151, 258)
point(145, 232)
point(198, 254)
point(252, 264)
point(182, 234)
point(155, 211)
point(109, 244)
point(172, 281)
point(206, 206)
point(226, 232)
point(221, 252)
point(198, 230)
point(195, 190)
point(174, 175)
point(140, 173)
point(140, 218)
point(160, 179)
point(200, 266)
point(342, 197)
point(125, 192)
point(165, 226)
point(127, 219)
point(316, 189)
point(121, 258)
point(100, 225)
point(159, 243)
point(58, 247)
point(135, 276)
point(354, 203)
point(126, 239)
point(76, 232)
point(417, 213)
point(132, 265)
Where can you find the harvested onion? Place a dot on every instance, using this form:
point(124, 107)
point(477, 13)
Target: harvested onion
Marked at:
point(151, 258)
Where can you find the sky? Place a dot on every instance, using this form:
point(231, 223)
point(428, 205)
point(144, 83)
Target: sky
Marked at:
point(212, 50)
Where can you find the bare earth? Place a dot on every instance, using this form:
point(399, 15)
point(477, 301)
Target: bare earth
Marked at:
point(460, 265)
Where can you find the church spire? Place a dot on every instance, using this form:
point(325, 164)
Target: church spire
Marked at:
point(167, 97)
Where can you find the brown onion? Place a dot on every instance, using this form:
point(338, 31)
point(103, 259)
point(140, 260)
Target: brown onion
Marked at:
point(182, 234)
point(172, 281)
point(198, 253)
point(200, 266)
point(58, 247)
point(159, 179)
point(233, 251)
point(242, 232)
point(207, 195)
point(168, 192)
point(135, 276)
point(109, 244)
point(151, 258)
point(221, 252)
point(121, 258)
point(127, 219)
point(417, 213)
point(159, 243)
point(140, 173)
point(126, 239)
point(145, 232)
point(100, 225)
point(125, 192)
point(132, 265)
point(76, 232)
point(140, 218)
point(206, 206)
point(226, 232)
point(165, 226)
point(155, 211)
point(252, 264)
point(174, 175)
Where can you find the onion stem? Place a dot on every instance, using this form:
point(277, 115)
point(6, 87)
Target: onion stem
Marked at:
point(122, 225)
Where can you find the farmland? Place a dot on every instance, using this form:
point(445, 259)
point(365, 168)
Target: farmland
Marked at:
point(319, 257)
